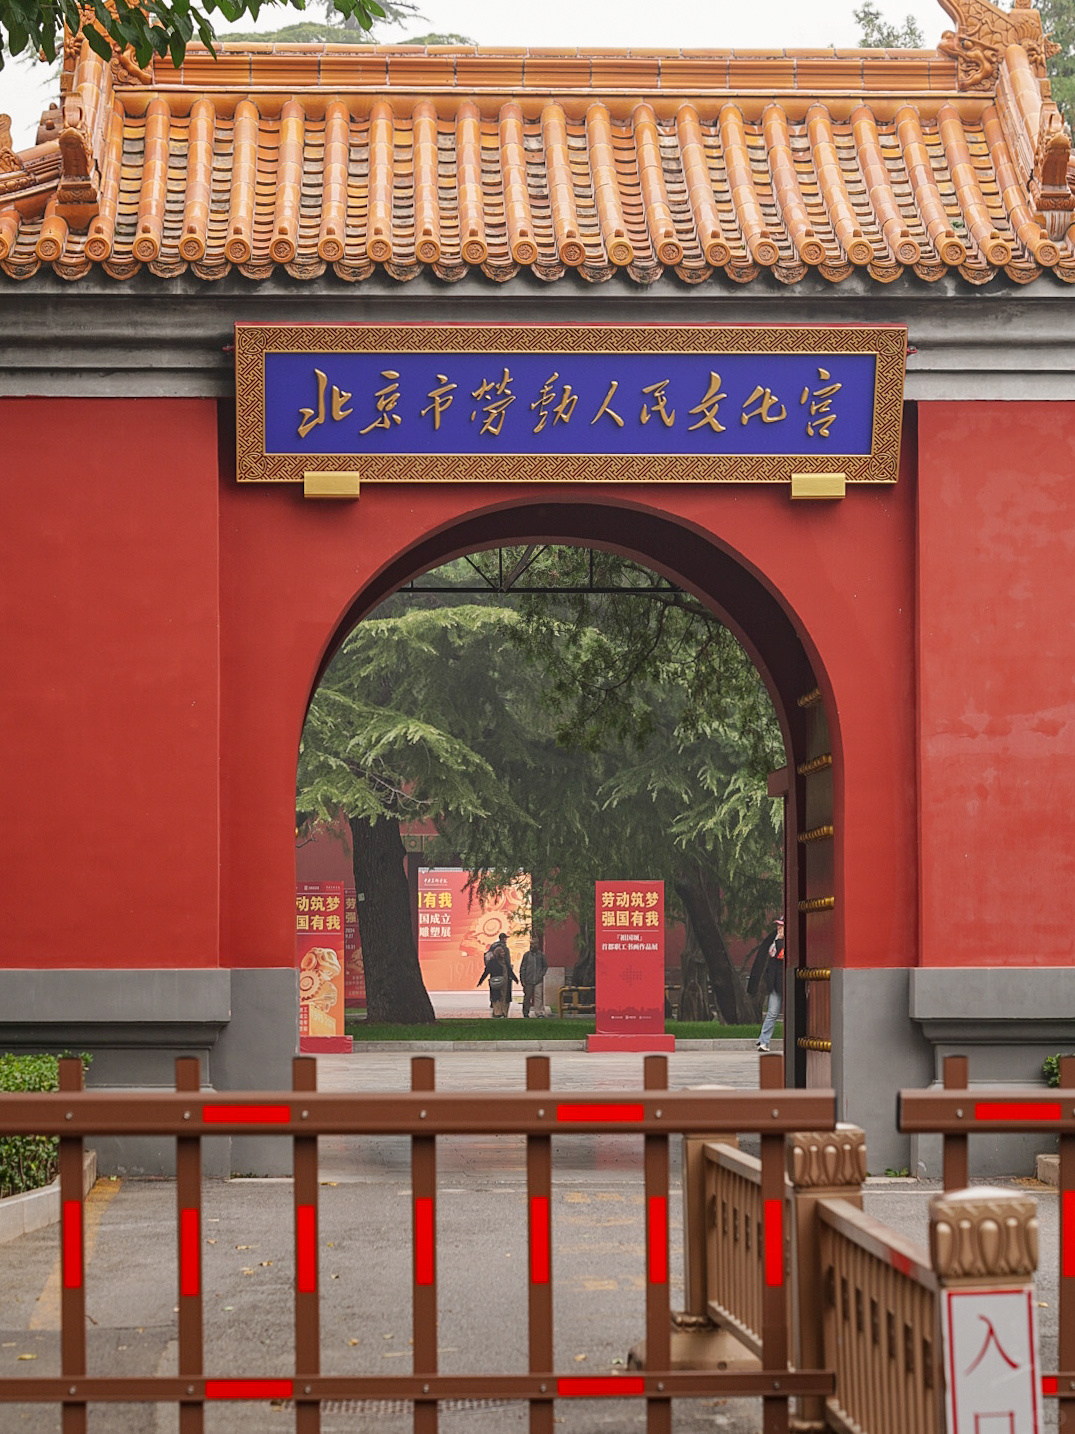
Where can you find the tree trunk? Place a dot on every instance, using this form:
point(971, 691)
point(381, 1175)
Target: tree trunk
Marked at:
point(395, 991)
point(694, 989)
point(724, 983)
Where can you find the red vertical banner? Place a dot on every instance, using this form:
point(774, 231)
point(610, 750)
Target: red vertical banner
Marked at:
point(629, 926)
point(319, 921)
point(354, 975)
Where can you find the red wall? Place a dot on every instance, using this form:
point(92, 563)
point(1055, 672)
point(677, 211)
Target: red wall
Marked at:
point(110, 720)
point(290, 568)
point(135, 552)
point(135, 777)
point(996, 640)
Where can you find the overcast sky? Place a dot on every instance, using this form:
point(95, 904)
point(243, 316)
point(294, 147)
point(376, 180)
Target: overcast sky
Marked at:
point(654, 23)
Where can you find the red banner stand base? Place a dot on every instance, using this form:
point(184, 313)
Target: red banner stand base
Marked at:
point(657, 1042)
point(326, 1045)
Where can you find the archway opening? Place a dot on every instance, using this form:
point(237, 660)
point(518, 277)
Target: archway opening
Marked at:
point(538, 572)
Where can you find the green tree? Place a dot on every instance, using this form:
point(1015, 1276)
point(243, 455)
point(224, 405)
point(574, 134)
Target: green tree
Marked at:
point(386, 741)
point(150, 27)
point(666, 738)
point(876, 32)
point(509, 723)
point(1058, 19)
point(350, 31)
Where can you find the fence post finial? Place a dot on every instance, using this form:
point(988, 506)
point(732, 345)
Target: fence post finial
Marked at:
point(983, 1234)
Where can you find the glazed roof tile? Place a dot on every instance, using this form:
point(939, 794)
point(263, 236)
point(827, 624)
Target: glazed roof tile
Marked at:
point(452, 158)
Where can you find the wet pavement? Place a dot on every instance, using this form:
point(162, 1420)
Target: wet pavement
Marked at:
point(598, 1265)
point(502, 1158)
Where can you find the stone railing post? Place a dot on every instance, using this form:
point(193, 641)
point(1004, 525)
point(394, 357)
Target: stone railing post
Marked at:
point(983, 1245)
point(825, 1165)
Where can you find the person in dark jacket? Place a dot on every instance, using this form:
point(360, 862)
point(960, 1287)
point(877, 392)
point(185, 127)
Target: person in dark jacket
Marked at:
point(532, 970)
point(774, 978)
point(498, 972)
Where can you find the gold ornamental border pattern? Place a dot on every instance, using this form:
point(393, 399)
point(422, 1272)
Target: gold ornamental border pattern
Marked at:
point(253, 341)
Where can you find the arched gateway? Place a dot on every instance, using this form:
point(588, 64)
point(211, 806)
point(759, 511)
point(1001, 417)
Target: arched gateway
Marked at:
point(165, 619)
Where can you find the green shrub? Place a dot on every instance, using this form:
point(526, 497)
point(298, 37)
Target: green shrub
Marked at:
point(28, 1161)
point(1051, 1070)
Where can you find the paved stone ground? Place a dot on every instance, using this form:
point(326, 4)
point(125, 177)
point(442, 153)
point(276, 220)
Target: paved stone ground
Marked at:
point(598, 1265)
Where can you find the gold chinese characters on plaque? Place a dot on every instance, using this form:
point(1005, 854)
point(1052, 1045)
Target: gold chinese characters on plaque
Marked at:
point(568, 403)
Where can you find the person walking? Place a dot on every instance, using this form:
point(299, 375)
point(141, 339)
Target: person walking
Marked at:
point(498, 972)
point(532, 970)
point(774, 977)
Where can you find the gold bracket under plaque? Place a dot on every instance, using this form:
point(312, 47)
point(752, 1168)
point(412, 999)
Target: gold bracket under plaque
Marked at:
point(818, 485)
point(330, 483)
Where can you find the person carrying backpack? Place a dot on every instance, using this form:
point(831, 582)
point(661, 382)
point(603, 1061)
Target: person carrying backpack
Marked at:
point(498, 972)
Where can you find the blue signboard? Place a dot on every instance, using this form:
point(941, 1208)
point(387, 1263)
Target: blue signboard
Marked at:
point(407, 402)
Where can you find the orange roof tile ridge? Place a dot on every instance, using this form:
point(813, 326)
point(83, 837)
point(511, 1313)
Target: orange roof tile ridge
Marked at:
point(1031, 234)
point(695, 168)
point(993, 248)
point(608, 198)
point(397, 68)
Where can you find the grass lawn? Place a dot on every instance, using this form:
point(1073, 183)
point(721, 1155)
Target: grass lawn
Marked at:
point(572, 1028)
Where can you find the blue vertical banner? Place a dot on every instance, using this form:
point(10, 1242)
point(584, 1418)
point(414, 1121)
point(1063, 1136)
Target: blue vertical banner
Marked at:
point(413, 403)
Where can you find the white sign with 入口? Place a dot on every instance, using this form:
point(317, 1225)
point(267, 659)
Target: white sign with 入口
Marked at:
point(991, 1361)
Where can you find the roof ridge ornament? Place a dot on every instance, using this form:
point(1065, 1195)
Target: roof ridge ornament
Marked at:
point(13, 173)
point(1050, 186)
point(125, 67)
point(983, 33)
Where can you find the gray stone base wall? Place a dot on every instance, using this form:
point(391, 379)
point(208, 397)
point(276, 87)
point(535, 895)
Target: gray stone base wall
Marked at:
point(1005, 1020)
point(876, 1051)
point(242, 1025)
point(893, 1029)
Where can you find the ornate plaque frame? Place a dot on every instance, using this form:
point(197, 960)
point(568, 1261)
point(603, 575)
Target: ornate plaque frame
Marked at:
point(888, 342)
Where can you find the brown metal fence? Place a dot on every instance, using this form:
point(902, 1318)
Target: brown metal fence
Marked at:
point(736, 1247)
point(880, 1326)
point(862, 1300)
point(959, 1111)
point(303, 1114)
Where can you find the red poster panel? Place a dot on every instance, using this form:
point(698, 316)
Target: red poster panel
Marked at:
point(630, 968)
point(354, 975)
point(319, 918)
point(455, 929)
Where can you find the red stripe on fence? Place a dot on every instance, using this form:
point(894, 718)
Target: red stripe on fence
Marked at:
point(603, 1113)
point(1016, 1110)
point(608, 1386)
point(246, 1114)
point(189, 1251)
point(424, 1261)
point(774, 1242)
point(72, 1244)
point(899, 1262)
point(1067, 1234)
point(658, 1240)
point(306, 1249)
point(539, 1239)
point(249, 1388)
point(1050, 1384)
